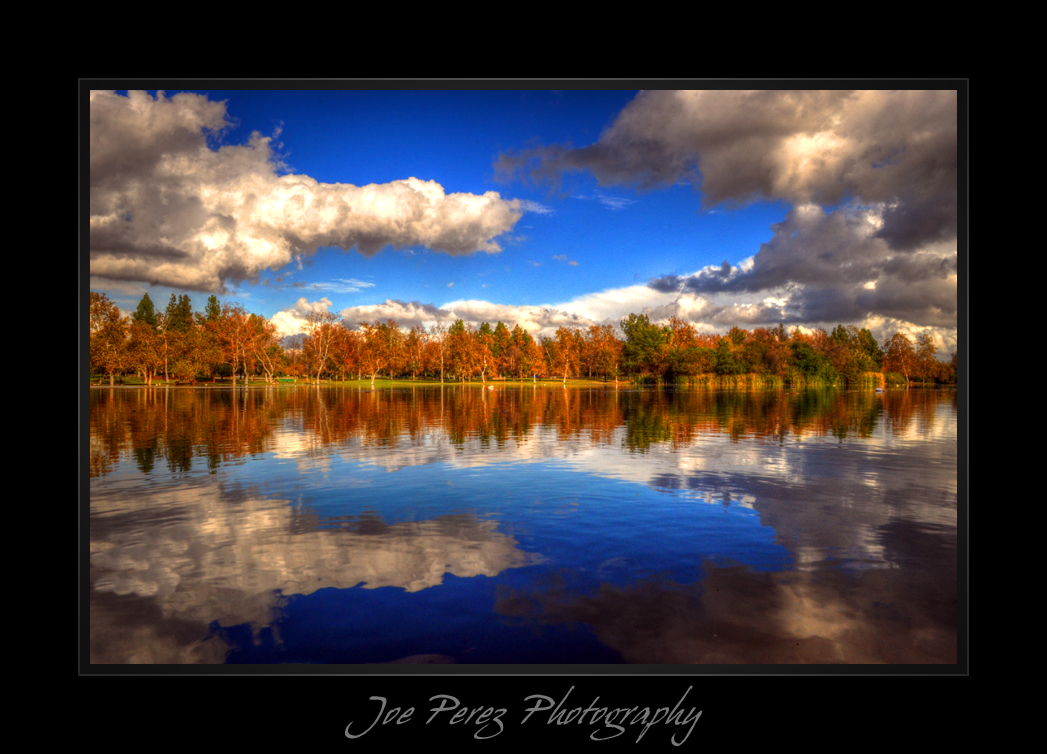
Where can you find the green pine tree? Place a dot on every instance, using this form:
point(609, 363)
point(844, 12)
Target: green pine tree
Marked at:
point(145, 312)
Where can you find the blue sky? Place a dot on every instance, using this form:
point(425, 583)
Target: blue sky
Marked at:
point(825, 207)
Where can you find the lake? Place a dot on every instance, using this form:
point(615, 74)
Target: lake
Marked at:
point(522, 525)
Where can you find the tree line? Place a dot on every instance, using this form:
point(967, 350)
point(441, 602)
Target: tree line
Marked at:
point(225, 341)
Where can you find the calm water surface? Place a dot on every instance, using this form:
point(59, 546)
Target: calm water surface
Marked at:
point(522, 525)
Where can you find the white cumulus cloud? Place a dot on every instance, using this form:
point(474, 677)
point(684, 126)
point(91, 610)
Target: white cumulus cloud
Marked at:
point(169, 210)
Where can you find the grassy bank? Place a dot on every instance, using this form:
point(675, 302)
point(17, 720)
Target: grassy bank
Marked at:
point(796, 380)
point(365, 383)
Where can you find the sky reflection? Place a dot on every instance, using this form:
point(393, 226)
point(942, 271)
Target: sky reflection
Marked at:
point(555, 530)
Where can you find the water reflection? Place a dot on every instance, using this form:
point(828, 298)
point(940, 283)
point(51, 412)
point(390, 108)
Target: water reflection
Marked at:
point(739, 616)
point(229, 558)
point(219, 425)
point(522, 525)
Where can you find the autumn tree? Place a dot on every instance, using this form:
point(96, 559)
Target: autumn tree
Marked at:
point(395, 344)
point(145, 352)
point(531, 358)
point(499, 348)
point(899, 356)
point(109, 329)
point(604, 348)
point(206, 349)
point(345, 353)
point(163, 342)
point(562, 352)
point(294, 354)
point(321, 331)
point(207, 339)
point(927, 365)
point(414, 350)
point(485, 351)
point(143, 349)
point(235, 335)
point(513, 355)
point(265, 347)
point(436, 349)
point(586, 355)
point(463, 351)
point(382, 347)
point(746, 353)
point(196, 351)
point(772, 348)
point(683, 354)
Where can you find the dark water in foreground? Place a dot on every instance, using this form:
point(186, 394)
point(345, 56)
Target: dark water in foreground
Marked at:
point(304, 525)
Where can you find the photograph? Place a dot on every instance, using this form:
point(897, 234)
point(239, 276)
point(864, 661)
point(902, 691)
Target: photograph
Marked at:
point(504, 377)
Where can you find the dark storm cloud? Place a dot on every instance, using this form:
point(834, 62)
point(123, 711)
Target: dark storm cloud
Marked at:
point(666, 283)
point(930, 302)
point(724, 316)
point(890, 156)
point(912, 223)
point(808, 247)
point(895, 147)
point(836, 268)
